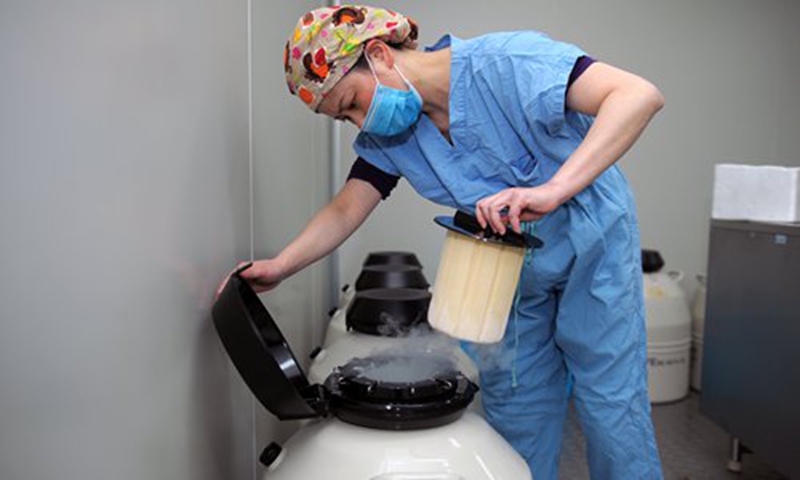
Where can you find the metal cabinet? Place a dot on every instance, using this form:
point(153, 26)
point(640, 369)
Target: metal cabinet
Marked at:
point(751, 361)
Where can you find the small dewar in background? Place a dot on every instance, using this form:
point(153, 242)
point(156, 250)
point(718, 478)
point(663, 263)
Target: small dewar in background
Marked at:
point(669, 330)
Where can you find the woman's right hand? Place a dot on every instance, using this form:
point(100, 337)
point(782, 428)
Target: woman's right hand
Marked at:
point(262, 275)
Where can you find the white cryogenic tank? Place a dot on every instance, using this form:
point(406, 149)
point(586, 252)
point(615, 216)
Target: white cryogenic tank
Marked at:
point(378, 418)
point(337, 326)
point(669, 331)
point(468, 449)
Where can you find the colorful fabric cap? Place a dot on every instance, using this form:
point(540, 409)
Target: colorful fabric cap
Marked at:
point(328, 41)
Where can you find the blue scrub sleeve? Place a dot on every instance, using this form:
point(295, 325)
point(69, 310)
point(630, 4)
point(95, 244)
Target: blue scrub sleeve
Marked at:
point(366, 148)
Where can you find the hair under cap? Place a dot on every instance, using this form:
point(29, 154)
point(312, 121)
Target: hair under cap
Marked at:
point(328, 41)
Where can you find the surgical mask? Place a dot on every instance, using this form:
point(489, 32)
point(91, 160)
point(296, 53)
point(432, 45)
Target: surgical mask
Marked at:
point(392, 111)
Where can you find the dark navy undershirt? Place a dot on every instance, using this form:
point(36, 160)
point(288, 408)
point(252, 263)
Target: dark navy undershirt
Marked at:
point(384, 182)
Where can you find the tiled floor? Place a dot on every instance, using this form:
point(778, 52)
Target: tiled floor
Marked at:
point(691, 447)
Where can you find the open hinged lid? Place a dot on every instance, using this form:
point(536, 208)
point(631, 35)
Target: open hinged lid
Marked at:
point(261, 354)
point(468, 225)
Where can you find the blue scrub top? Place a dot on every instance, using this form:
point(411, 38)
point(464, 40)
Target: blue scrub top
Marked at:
point(509, 123)
point(580, 306)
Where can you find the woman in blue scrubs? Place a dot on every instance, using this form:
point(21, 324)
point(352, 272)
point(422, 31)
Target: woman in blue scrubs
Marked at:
point(515, 128)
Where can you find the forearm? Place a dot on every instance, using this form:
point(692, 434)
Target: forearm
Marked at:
point(329, 228)
point(620, 120)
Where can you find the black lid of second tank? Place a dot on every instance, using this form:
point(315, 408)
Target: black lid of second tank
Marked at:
point(392, 257)
point(388, 312)
point(391, 276)
point(652, 261)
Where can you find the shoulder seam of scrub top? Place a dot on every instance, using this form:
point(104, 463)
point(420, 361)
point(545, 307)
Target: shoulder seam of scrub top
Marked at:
point(384, 182)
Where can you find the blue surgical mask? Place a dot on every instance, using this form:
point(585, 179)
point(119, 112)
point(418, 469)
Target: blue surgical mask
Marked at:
point(392, 111)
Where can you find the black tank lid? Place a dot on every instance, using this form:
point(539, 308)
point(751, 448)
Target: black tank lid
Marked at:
point(388, 312)
point(392, 257)
point(261, 354)
point(391, 276)
point(652, 261)
point(435, 400)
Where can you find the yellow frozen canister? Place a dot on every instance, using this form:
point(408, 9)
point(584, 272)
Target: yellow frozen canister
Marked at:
point(477, 279)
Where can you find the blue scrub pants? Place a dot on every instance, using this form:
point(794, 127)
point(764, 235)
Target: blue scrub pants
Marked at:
point(580, 314)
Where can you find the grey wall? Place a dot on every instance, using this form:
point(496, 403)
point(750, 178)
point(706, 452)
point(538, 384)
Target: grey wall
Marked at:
point(123, 200)
point(290, 176)
point(729, 71)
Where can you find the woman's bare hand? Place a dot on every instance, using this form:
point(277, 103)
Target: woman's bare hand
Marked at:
point(514, 205)
point(262, 275)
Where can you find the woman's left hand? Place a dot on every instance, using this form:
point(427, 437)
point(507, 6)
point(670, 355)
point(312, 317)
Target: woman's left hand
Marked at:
point(520, 204)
